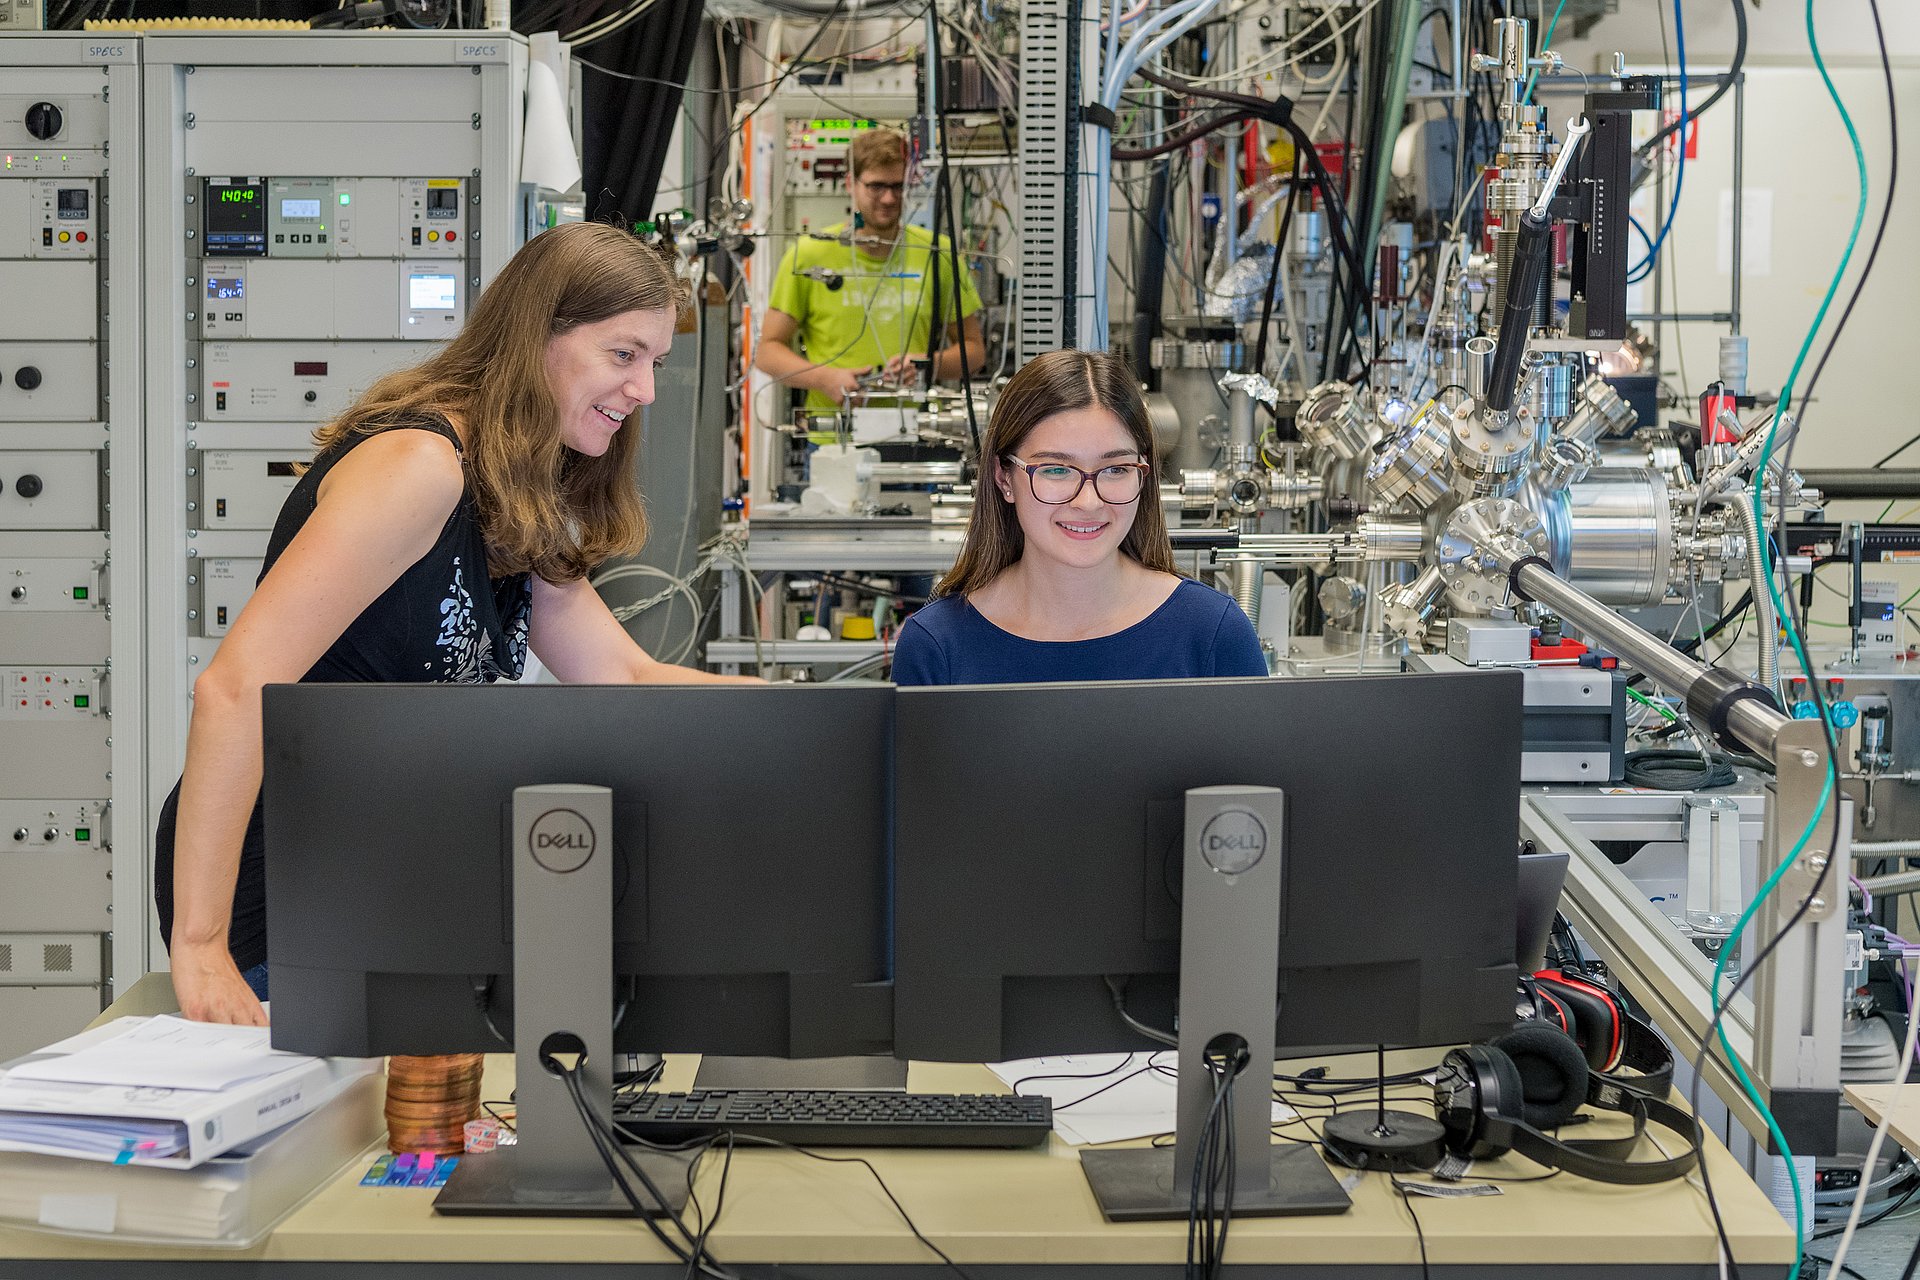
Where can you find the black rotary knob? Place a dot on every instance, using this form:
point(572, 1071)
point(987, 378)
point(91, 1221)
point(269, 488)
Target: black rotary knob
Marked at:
point(44, 120)
point(27, 378)
point(28, 486)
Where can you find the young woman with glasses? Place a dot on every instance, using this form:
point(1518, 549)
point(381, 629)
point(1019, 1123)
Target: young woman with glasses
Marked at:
point(1067, 573)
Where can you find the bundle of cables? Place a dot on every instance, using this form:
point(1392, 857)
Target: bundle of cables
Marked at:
point(691, 1248)
point(1677, 769)
point(1210, 1210)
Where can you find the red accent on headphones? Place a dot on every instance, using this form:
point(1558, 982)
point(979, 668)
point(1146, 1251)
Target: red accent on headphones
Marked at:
point(1596, 1016)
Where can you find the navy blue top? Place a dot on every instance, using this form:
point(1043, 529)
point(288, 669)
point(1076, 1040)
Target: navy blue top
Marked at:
point(1196, 632)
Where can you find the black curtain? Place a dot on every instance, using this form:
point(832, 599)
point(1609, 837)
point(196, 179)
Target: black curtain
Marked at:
point(628, 122)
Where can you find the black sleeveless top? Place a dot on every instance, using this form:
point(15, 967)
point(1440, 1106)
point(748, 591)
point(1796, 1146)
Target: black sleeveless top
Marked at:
point(442, 621)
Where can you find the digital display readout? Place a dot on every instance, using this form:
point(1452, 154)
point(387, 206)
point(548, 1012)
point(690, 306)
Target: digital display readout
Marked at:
point(236, 219)
point(72, 203)
point(431, 293)
point(226, 288)
point(296, 209)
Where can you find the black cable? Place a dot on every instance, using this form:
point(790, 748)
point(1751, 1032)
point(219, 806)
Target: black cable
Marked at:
point(707, 1224)
point(1199, 1199)
point(1179, 140)
point(607, 1147)
point(885, 1190)
point(1889, 1211)
point(1797, 617)
point(1406, 1198)
point(1273, 274)
point(1886, 215)
point(1845, 1270)
point(1062, 1106)
point(1279, 111)
point(1674, 769)
point(953, 245)
point(1693, 643)
point(1720, 90)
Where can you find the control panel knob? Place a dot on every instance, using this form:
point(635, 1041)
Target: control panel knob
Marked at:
point(312, 396)
point(27, 378)
point(28, 486)
point(19, 833)
point(50, 834)
point(44, 120)
point(18, 593)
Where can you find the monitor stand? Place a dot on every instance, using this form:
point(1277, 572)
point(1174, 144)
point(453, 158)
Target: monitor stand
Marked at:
point(562, 1014)
point(1229, 957)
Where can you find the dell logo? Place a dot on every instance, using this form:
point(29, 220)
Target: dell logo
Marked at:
point(1233, 841)
point(561, 840)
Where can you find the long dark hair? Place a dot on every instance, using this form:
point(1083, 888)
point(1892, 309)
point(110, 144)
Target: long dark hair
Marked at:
point(1056, 382)
point(542, 506)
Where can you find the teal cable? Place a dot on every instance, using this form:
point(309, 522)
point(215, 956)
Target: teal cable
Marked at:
point(1546, 42)
point(1793, 635)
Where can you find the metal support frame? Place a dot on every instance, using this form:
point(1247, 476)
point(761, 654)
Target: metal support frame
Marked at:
point(83, 62)
point(1059, 53)
point(1798, 992)
point(1731, 316)
point(467, 94)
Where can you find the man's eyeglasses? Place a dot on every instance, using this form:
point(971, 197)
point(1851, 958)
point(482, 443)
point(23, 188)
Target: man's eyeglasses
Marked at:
point(895, 189)
point(1055, 483)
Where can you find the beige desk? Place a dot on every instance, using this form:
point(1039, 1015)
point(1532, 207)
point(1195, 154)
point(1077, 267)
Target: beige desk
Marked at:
point(1872, 1101)
point(1006, 1215)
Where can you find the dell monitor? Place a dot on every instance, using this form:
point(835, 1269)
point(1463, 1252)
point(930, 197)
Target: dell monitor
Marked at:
point(1046, 844)
point(722, 850)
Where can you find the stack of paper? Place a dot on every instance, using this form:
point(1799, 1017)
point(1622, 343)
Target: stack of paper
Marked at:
point(161, 1091)
point(231, 1201)
point(1106, 1097)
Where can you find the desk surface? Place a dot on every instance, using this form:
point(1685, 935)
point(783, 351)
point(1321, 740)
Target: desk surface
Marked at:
point(1872, 1101)
point(1021, 1213)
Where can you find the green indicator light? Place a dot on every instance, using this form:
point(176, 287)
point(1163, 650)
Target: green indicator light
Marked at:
point(79, 593)
point(345, 198)
point(83, 834)
point(82, 701)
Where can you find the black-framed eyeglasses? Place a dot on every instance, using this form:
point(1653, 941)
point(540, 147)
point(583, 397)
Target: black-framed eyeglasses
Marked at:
point(1056, 483)
point(895, 189)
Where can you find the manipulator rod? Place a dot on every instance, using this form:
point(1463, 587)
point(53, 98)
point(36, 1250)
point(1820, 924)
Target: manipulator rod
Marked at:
point(1741, 714)
point(1532, 254)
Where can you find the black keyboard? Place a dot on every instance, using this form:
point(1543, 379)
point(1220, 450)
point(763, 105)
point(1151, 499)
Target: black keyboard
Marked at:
point(840, 1117)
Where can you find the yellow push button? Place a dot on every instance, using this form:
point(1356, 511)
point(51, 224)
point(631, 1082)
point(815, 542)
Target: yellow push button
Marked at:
point(433, 235)
point(64, 237)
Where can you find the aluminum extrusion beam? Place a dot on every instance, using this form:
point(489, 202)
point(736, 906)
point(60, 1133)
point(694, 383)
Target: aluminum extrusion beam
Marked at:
point(1797, 994)
point(1660, 967)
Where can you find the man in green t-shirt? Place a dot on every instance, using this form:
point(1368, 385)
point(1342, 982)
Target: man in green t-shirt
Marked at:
point(864, 301)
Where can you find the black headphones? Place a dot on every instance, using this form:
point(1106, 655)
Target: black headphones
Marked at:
point(1499, 1097)
point(1609, 1035)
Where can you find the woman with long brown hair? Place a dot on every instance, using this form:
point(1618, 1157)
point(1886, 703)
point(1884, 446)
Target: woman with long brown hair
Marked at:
point(1067, 573)
point(447, 525)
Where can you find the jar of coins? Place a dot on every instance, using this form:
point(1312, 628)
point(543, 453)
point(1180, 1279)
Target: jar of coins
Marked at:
point(430, 1100)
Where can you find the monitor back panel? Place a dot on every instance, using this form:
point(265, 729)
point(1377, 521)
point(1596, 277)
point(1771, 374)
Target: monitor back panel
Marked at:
point(750, 832)
point(1039, 832)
